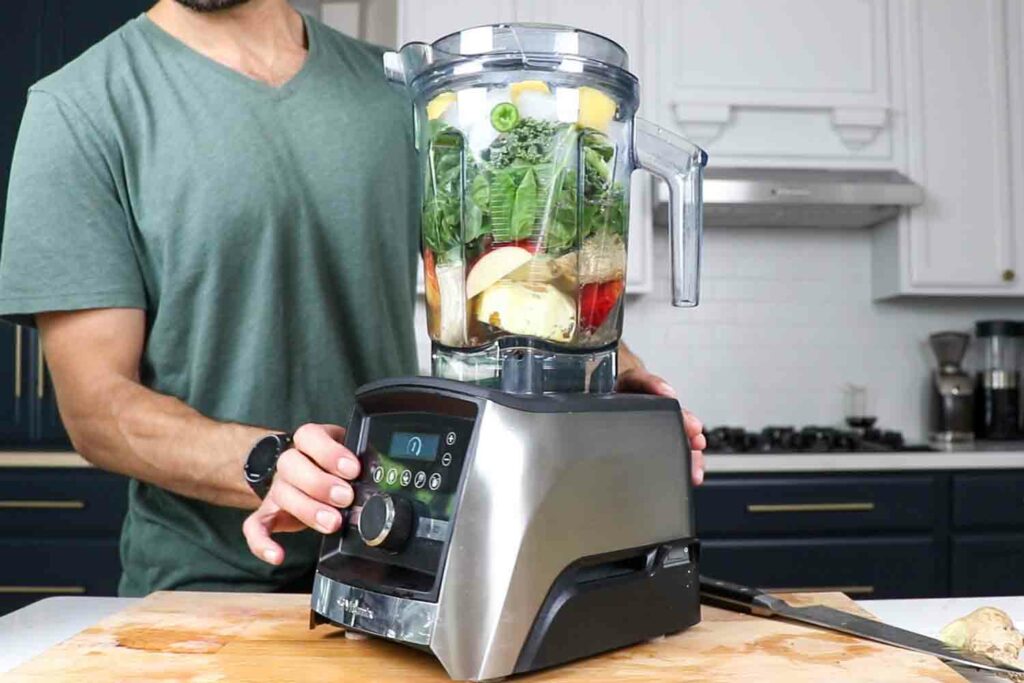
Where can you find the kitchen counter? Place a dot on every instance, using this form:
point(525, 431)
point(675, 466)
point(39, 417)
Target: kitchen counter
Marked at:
point(42, 459)
point(741, 463)
point(33, 629)
point(929, 616)
point(716, 463)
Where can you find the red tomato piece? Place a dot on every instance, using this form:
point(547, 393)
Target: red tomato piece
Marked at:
point(597, 301)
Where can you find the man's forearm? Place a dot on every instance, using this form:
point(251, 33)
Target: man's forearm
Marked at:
point(159, 439)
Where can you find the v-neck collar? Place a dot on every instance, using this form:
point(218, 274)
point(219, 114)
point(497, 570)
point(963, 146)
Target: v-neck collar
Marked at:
point(282, 91)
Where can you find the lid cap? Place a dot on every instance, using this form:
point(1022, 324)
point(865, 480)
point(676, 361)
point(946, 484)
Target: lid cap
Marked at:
point(1000, 328)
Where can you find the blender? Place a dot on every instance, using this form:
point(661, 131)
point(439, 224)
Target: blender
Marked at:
point(513, 511)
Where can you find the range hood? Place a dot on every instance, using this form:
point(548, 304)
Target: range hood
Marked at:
point(763, 197)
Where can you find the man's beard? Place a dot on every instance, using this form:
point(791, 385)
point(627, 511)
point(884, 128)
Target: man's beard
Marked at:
point(211, 5)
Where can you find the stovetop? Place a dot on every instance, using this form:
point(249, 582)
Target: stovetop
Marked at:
point(810, 439)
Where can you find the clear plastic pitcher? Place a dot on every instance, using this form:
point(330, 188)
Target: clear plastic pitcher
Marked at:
point(527, 138)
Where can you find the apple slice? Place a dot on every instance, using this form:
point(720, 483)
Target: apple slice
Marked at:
point(493, 266)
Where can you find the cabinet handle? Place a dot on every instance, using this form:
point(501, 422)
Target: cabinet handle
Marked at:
point(18, 332)
point(812, 507)
point(40, 372)
point(42, 504)
point(1009, 275)
point(38, 590)
point(849, 590)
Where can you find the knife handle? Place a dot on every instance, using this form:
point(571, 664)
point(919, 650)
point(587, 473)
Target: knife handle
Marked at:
point(735, 597)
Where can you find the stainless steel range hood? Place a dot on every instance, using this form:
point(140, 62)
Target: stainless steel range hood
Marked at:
point(737, 197)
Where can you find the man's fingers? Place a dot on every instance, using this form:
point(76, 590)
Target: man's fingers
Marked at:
point(642, 382)
point(298, 470)
point(691, 425)
point(310, 512)
point(697, 467)
point(322, 444)
point(257, 529)
point(698, 443)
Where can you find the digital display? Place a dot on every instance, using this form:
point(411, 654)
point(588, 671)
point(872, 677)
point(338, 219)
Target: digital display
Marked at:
point(414, 446)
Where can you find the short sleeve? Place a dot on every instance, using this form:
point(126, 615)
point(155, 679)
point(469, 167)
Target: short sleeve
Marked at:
point(66, 241)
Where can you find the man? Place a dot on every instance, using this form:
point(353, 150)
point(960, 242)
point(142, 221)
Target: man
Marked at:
point(212, 220)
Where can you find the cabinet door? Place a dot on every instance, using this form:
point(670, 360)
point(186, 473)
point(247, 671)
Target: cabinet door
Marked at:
point(963, 238)
point(898, 567)
point(14, 396)
point(47, 428)
point(987, 564)
point(19, 43)
point(71, 27)
point(776, 81)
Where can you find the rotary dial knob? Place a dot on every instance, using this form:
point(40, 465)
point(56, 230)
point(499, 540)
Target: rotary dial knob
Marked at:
point(385, 521)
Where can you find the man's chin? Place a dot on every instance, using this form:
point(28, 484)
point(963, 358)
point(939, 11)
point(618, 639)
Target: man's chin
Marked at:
point(210, 5)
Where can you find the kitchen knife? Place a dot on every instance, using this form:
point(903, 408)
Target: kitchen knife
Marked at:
point(745, 599)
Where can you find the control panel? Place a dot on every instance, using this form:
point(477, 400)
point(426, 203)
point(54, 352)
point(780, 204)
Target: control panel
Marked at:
point(396, 531)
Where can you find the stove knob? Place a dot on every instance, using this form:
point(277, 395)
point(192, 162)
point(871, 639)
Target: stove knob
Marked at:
point(385, 521)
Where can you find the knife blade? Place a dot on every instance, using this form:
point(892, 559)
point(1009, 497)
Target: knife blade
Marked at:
point(740, 598)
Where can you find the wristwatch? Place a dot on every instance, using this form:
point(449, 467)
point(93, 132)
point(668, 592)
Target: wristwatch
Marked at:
point(262, 462)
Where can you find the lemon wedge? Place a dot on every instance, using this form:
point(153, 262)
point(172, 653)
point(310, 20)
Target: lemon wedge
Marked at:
point(596, 109)
point(439, 105)
point(517, 89)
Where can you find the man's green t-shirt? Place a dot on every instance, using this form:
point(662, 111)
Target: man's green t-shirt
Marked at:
point(270, 234)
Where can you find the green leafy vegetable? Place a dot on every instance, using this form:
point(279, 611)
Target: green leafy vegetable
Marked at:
point(525, 186)
point(524, 209)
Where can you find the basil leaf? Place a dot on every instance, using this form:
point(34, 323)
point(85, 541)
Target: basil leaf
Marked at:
point(524, 210)
point(502, 197)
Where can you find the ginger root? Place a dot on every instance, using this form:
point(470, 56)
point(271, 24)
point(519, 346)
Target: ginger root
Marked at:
point(986, 631)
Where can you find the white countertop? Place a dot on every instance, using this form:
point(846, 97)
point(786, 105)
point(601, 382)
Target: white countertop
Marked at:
point(766, 463)
point(33, 629)
point(929, 616)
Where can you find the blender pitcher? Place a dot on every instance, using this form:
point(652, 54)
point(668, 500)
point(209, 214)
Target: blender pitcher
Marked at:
point(527, 138)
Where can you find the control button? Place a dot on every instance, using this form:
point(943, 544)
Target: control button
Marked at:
point(421, 479)
point(406, 477)
point(392, 476)
point(446, 459)
point(435, 481)
point(450, 438)
point(377, 473)
point(386, 521)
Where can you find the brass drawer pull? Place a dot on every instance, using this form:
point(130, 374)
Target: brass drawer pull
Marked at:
point(849, 590)
point(812, 507)
point(40, 590)
point(18, 332)
point(42, 504)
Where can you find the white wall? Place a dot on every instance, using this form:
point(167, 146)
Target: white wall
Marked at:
point(786, 320)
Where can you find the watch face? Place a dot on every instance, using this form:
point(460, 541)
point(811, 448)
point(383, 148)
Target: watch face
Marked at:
point(263, 459)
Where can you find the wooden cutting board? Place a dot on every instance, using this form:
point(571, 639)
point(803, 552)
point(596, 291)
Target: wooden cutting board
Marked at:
point(213, 637)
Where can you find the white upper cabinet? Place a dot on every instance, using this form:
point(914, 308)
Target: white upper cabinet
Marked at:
point(777, 82)
point(428, 20)
point(964, 76)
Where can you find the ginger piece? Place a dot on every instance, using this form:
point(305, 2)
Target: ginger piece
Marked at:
point(986, 631)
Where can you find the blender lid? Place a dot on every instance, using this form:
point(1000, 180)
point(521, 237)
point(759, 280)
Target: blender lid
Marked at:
point(542, 46)
point(999, 328)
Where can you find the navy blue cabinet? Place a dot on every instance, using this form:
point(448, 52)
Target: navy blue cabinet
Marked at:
point(59, 532)
point(893, 535)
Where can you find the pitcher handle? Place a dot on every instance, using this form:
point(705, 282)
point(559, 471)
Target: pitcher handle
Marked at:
point(680, 164)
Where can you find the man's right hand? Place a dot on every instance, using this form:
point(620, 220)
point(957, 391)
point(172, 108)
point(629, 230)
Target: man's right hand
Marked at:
point(311, 483)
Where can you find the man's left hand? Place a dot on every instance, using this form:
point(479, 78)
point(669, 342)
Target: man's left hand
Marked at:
point(639, 381)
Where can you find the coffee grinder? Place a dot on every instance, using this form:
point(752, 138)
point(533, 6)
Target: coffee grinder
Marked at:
point(952, 391)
